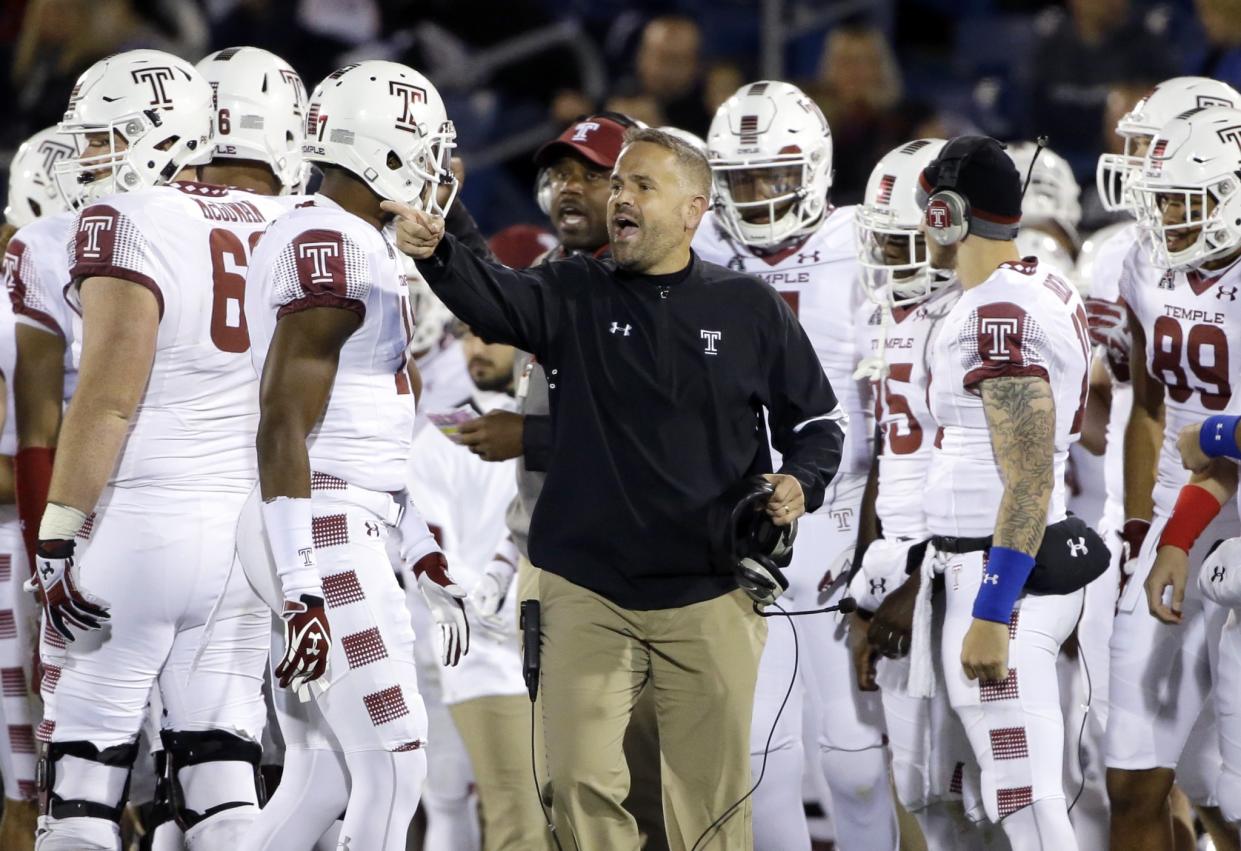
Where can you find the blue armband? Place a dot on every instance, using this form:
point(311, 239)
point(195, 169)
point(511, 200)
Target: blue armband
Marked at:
point(1218, 437)
point(1004, 575)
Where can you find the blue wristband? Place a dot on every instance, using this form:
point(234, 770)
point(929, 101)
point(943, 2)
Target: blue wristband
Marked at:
point(1218, 437)
point(1004, 575)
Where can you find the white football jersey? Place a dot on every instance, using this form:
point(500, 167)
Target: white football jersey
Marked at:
point(188, 243)
point(464, 500)
point(445, 376)
point(1193, 347)
point(1022, 320)
point(819, 279)
point(319, 255)
point(903, 339)
point(36, 272)
point(8, 360)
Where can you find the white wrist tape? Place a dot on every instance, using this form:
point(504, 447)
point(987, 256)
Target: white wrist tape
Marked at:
point(417, 541)
point(60, 522)
point(289, 522)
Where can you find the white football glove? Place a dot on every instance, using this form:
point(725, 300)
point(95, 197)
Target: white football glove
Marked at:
point(881, 573)
point(446, 600)
point(490, 591)
point(1219, 578)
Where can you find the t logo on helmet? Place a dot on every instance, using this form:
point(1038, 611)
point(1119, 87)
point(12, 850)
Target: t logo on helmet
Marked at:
point(53, 151)
point(155, 77)
point(1230, 134)
point(409, 95)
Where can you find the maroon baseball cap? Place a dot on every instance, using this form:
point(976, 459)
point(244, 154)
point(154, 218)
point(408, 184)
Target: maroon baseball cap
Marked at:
point(597, 139)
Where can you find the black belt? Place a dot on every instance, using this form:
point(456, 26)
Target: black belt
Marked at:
point(960, 546)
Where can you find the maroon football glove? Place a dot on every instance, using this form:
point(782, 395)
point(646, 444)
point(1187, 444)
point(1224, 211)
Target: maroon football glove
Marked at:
point(307, 639)
point(67, 606)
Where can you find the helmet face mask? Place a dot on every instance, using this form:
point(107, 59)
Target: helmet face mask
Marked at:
point(385, 123)
point(1189, 194)
point(891, 248)
point(770, 151)
point(1116, 174)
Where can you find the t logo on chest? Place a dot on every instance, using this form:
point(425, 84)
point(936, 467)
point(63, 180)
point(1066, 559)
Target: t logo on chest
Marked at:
point(711, 338)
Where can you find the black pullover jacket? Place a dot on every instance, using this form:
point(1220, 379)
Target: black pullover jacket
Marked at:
point(657, 387)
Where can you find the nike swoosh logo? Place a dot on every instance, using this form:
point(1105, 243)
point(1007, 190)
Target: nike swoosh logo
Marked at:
point(107, 99)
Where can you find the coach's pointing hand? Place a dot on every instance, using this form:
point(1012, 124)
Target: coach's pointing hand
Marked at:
point(787, 502)
point(417, 232)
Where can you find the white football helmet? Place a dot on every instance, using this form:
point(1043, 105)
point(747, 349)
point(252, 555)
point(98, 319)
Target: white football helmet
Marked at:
point(775, 128)
point(157, 103)
point(32, 190)
point(260, 111)
point(1053, 194)
point(1193, 167)
point(1116, 172)
point(1088, 254)
point(385, 123)
point(890, 247)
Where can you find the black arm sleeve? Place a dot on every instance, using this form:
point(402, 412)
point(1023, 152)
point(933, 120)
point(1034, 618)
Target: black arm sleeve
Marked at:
point(517, 307)
point(807, 423)
point(536, 441)
point(461, 225)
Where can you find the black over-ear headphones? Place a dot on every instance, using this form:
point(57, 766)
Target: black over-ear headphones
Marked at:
point(947, 210)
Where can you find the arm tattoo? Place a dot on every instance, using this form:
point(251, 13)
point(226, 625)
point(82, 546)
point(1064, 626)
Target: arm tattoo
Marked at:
point(1021, 416)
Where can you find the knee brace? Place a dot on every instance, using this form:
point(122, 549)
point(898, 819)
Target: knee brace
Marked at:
point(219, 783)
point(94, 777)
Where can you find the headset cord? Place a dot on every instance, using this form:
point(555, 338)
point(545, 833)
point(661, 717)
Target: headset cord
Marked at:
point(770, 735)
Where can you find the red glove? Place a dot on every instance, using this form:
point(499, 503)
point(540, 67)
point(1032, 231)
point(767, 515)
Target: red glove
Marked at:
point(1109, 328)
point(307, 639)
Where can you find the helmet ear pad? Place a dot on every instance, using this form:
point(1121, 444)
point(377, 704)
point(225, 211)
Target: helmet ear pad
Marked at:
point(947, 217)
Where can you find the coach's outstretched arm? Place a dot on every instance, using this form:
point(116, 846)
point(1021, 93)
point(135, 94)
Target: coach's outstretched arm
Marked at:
point(120, 325)
point(514, 306)
point(1021, 419)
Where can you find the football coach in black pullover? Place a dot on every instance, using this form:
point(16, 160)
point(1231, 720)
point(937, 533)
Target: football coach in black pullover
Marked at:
point(659, 367)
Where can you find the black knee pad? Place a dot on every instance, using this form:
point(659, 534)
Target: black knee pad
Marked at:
point(185, 748)
point(51, 804)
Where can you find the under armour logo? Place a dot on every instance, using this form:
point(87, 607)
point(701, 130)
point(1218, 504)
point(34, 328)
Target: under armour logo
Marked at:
point(999, 328)
point(155, 77)
point(319, 253)
point(1077, 547)
point(1221, 292)
point(878, 586)
point(46, 569)
point(314, 638)
point(583, 129)
point(409, 95)
point(990, 578)
point(372, 528)
point(712, 337)
point(622, 329)
point(843, 518)
point(308, 556)
point(808, 257)
point(1218, 573)
point(92, 227)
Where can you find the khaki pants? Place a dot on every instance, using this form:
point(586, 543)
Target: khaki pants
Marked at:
point(496, 732)
point(702, 662)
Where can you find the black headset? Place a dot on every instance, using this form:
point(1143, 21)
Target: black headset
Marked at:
point(947, 216)
point(948, 210)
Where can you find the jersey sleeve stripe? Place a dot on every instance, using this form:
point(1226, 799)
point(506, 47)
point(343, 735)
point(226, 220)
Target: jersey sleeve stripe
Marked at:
point(313, 300)
point(979, 374)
